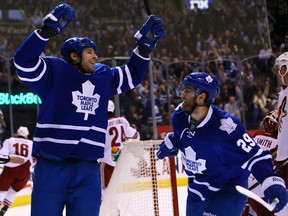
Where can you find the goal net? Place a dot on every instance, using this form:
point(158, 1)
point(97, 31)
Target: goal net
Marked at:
point(140, 184)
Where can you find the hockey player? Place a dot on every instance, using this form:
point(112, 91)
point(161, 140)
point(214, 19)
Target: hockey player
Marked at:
point(70, 132)
point(15, 176)
point(281, 69)
point(217, 153)
point(267, 140)
point(118, 131)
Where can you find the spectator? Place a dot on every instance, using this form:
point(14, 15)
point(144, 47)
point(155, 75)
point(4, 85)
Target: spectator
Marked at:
point(233, 107)
point(2, 127)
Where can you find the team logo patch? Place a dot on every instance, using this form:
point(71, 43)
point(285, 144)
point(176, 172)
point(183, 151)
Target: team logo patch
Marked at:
point(190, 163)
point(209, 79)
point(282, 113)
point(227, 125)
point(86, 102)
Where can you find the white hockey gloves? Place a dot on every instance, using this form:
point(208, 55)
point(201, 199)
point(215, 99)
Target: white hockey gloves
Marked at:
point(150, 33)
point(167, 148)
point(57, 20)
point(274, 188)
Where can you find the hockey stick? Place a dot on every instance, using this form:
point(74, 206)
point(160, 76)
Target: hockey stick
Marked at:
point(277, 168)
point(257, 198)
point(147, 7)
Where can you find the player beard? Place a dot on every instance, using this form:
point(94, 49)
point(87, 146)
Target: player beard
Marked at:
point(189, 105)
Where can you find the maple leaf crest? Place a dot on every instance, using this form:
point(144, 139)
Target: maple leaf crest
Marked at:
point(227, 125)
point(190, 163)
point(86, 102)
point(209, 79)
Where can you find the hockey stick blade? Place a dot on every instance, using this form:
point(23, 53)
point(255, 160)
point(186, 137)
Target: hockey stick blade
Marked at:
point(257, 198)
point(147, 7)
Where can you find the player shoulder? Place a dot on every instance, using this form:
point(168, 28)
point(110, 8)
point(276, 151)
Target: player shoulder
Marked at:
point(100, 68)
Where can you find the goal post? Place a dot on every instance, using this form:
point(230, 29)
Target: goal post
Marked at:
point(141, 184)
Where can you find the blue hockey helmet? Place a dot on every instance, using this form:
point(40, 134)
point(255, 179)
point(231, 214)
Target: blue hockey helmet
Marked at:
point(203, 82)
point(76, 44)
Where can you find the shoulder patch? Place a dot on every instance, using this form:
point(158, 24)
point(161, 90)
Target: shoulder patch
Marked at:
point(227, 125)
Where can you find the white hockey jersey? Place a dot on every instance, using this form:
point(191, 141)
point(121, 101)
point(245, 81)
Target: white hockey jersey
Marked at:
point(118, 131)
point(17, 146)
point(282, 151)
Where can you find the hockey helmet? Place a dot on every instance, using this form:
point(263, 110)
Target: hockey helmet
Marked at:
point(23, 132)
point(76, 44)
point(203, 82)
point(281, 61)
point(111, 106)
point(270, 122)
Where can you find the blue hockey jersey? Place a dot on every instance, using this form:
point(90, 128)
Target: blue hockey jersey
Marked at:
point(217, 152)
point(72, 120)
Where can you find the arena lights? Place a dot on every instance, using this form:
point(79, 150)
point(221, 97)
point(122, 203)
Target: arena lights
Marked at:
point(26, 98)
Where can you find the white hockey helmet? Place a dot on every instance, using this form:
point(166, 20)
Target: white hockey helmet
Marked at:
point(281, 61)
point(23, 132)
point(111, 106)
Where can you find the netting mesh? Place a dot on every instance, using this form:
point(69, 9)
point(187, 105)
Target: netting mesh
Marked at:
point(140, 184)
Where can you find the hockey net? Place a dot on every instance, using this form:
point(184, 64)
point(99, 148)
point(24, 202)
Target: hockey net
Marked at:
point(140, 184)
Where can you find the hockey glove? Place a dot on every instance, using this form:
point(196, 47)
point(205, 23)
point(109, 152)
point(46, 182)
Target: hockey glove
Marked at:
point(274, 187)
point(4, 159)
point(57, 20)
point(167, 148)
point(150, 33)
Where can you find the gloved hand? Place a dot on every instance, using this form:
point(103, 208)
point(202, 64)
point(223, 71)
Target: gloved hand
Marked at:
point(167, 148)
point(57, 20)
point(150, 33)
point(274, 187)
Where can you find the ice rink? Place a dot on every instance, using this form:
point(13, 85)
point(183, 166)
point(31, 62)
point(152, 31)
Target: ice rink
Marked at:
point(25, 210)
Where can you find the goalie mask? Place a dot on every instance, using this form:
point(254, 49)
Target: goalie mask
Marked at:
point(270, 122)
point(281, 68)
point(76, 44)
point(202, 82)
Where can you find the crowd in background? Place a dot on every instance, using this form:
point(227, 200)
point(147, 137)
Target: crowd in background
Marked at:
point(234, 40)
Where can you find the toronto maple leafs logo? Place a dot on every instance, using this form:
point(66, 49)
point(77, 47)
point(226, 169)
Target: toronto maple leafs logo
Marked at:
point(209, 79)
point(227, 125)
point(86, 102)
point(191, 164)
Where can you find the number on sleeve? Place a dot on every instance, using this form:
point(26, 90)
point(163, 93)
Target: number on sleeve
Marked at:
point(246, 143)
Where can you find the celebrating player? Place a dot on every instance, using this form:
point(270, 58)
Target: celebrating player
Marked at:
point(72, 121)
point(217, 153)
point(15, 175)
point(118, 131)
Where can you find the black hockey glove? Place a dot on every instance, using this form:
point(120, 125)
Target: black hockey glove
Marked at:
point(4, 159)
point(57, 20)
point(150, 33)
